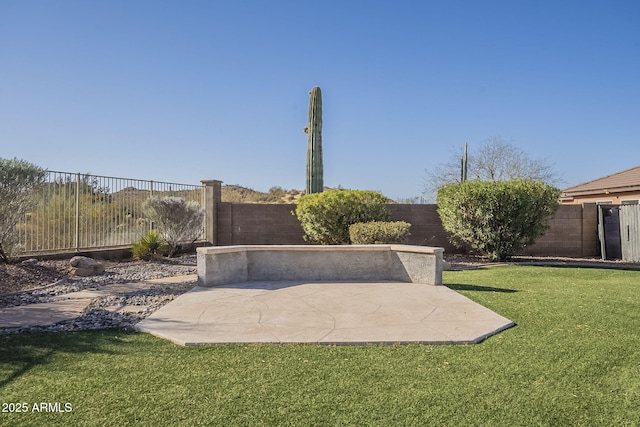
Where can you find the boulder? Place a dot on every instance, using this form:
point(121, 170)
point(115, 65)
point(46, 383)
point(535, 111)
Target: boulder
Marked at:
point(85, 266)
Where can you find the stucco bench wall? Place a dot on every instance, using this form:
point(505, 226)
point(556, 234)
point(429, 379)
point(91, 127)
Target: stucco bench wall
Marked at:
point(221, 265)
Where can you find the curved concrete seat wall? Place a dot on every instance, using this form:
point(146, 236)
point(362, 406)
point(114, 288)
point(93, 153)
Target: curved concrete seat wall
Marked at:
point(221, 265)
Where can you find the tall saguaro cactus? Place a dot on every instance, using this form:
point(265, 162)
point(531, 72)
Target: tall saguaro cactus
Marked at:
point(314, 145)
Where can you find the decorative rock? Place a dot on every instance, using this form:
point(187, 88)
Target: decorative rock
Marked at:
point(446, 265)
point(135, 305)
point(85, 266)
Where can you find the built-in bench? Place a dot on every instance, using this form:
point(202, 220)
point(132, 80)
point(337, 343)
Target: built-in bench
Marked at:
point(220, 265)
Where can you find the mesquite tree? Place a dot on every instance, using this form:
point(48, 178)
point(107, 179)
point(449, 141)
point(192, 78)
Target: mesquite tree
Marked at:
point(18, 179)
point(494, 160)
point(315, 182)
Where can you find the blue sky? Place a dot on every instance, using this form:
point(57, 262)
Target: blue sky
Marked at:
point(187, 90)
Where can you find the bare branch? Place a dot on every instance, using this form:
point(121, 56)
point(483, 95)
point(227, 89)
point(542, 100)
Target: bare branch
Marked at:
point(495, 160)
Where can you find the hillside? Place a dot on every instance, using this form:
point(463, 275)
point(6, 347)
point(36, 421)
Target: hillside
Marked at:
point(239, 194)
point(230, 193)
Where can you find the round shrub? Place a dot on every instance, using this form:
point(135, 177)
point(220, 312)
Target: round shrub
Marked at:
point(378, 232)
point(325, 217)
point(497, 218)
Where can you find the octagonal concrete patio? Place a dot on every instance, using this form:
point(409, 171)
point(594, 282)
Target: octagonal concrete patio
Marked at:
point(323, 313)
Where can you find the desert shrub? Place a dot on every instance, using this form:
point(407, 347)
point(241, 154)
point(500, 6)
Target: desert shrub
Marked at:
point(18, 179)
point(368, 233)
point(496, 218)
point(277, 192)
point(150, 246)
point(178, 221)
point(325, 217)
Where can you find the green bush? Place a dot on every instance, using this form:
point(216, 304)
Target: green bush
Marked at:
point(18, 180)
point(374, 232)
point(325, 217)
point(498, 218)
point(150, 246)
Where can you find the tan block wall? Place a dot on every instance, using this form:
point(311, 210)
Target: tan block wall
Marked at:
point(590, 230)
point(258, 224)
point(572, 232)
point(426, 227)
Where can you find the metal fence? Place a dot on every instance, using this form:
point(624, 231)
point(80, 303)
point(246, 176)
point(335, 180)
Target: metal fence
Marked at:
point(75, 211)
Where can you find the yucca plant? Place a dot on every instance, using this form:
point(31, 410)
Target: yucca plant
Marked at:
point(150, 246)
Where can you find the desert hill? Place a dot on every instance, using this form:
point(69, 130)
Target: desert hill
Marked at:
point(240, 194)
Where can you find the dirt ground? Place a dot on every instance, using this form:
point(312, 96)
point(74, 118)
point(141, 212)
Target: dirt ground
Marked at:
point(31, 275)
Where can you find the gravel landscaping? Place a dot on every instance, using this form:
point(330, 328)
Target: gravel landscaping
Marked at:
point(26, 283)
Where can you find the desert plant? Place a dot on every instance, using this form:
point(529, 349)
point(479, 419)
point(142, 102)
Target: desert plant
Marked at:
point(496, 218)
point(150, 246)
point(177, 220)
point(326, 217)
point(277, 191)
point(494, 160)
point(376, 232)
point(18, 179)
point(314, 143)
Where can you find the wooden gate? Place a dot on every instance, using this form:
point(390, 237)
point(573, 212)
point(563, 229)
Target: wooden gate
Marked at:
point(619, 232)
point(630, 232)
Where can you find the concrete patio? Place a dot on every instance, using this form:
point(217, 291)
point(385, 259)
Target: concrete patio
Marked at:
point(323, 313)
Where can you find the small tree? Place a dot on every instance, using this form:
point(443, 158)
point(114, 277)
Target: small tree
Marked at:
point(494, 160)
point(325, 217)
point(497, 218)
point(18, 179)
point(177, 220)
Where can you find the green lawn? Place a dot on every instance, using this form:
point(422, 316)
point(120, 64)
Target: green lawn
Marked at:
point(572, 359)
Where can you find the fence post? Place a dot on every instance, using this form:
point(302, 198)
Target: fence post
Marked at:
point(212, 197)
point(77, 239)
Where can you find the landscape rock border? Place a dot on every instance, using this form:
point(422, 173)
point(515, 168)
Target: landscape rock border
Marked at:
point(121, 309)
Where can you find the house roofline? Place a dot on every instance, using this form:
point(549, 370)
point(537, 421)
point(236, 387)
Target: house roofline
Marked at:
point(596, 191)
point(570, 189)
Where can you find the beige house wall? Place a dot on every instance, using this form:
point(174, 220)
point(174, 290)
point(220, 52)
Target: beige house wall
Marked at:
point(617, 198)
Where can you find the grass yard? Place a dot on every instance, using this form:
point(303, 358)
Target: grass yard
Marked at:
point(572, 359)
